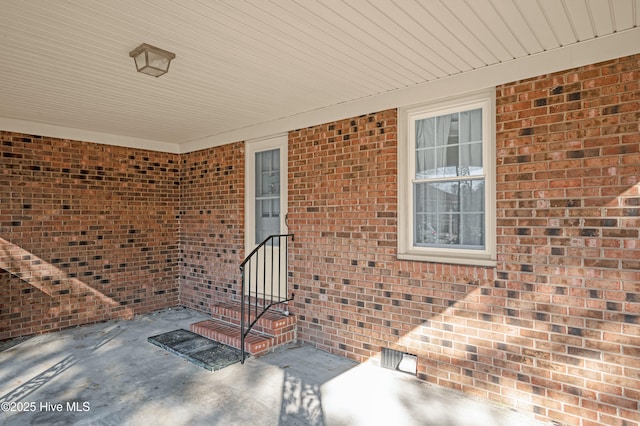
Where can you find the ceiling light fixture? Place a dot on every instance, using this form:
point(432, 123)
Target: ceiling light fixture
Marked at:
point(151, 60)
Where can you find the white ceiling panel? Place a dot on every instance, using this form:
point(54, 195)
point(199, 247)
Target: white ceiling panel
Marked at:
point(623, 14)
point(463, 40)
point(479, 32)
point(501, 30)
point(251, 63)
point(538, 24)
point(420, 27)
point(581, 19)
point(602, 17)
point(520, 29)
point(560, 25)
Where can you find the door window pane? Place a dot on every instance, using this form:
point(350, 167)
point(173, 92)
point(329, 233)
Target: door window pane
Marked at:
point(267, 201)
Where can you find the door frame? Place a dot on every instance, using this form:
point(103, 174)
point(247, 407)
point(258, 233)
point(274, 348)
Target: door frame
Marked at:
point(251, 148)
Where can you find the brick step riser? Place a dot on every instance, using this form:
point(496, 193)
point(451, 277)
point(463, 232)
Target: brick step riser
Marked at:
point(252, 348)
point(266, 324)
point(255, 344)
point(263, 325)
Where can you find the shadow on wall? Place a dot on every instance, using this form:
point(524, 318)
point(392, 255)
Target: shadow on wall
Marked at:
point(559, 326)
point(70, 295)
point(554, 328)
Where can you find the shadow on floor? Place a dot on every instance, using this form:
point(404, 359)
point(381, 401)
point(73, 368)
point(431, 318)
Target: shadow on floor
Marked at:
point(108, 374)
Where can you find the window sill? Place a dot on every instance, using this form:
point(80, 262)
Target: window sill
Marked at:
point(481, 260)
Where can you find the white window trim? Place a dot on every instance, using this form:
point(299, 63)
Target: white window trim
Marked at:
point(406, 173)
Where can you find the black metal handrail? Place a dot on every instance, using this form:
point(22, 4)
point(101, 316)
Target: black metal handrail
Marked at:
point(254, 303)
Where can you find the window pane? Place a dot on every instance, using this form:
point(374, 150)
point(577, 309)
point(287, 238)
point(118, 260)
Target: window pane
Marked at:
point(472, 207)
point(267, 219)
point(447, 130)
point(425, 144)
point(449, 213)
point(471, 143)
point(471, 126)
point(471, 159)
point(447, 161)
point(267, 197)
point(263, 209)
point(425, 131)
point(472, 196)
point(449, 145)
point(265, 160)
point(425, 164)
point(268, 173)
point(471, 233)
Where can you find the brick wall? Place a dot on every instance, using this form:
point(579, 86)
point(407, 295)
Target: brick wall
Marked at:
point(555, 328)
point(568, 217)
point(212, 225)
point(91, 230)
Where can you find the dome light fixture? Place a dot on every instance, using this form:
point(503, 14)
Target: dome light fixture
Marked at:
point(151, 60)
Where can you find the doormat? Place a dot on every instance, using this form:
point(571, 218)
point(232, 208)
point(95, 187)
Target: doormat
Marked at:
point(197, 349)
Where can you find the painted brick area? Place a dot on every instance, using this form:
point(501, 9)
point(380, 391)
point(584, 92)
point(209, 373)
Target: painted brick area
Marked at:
point(91, 230)
point(555, 328)
point(212, 225)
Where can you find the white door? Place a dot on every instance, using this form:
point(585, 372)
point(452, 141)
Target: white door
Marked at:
point(265, 210)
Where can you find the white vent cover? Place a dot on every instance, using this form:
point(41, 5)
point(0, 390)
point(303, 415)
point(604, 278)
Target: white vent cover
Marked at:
point(400, 361)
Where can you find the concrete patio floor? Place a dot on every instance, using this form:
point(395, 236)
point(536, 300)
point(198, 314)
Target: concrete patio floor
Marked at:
point(108, 374)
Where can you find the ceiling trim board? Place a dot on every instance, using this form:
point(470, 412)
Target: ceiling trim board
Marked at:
point(579, 54)
point(50, 130)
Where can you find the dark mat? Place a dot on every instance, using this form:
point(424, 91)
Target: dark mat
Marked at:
point(201, 351)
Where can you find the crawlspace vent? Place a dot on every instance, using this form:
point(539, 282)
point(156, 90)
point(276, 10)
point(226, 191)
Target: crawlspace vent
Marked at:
point(400, 361)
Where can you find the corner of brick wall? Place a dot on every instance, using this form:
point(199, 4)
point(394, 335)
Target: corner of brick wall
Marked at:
point(87, 233)
point(212, 225)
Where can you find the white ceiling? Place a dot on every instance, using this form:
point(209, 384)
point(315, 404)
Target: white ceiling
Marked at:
point(251, 68)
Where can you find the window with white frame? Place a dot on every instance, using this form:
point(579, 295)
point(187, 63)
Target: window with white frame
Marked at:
point(447, 181)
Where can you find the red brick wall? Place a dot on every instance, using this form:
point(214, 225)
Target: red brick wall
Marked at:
point(90, 229)
point(353, 297)
point(212, 225)
point(568, 217)
point(555, 328)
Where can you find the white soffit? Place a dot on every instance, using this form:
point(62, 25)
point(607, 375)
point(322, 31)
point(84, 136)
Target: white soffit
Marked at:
point(586, 53)
point(251, 68)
